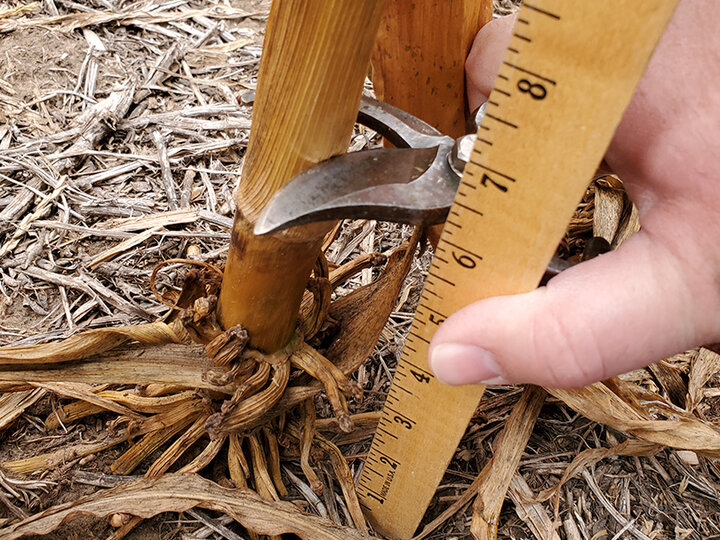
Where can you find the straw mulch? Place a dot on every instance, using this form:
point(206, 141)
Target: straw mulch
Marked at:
point(121, 140)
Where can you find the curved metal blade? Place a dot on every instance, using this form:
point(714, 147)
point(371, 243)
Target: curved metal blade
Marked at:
point(407, 185)
point(399, 127)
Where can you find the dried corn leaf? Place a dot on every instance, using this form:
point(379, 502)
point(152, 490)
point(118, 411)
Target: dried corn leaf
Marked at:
point(179, 493)
point(185, 366)
point(670, 380)
point(629, 226)
point(532, 513)
point(89, 343)
point(591, 456)
point(637, 415)
point(349, 269)
point(609, 205)
point(59, 457)
point(14, 404)
point(178, 448)
point(705, 364)
point(21, 9)
point(360, 328)
point(85, 393)
point(126, 463)
point(498, 473)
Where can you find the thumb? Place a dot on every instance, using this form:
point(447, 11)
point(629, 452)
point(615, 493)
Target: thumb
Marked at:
point(483, 62)
point(617, 312)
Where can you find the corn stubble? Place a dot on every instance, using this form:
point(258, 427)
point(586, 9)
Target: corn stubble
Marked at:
point(246, 404)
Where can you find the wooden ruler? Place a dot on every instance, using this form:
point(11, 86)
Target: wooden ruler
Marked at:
point(566, 79)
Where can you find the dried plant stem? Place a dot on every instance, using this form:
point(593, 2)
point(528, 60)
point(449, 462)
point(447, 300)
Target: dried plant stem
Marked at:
point(349, 269)
point(60, 456)
point(306, 439)
point(334, 381)
point(419, 60)
point(273, 456)
point(315, 58)
point(237, 464)
point(126, 463)
point(177, 448)
point(345, 479)
point(498, 473)
point(204, 458)
point(178, 493)
point(263, 483)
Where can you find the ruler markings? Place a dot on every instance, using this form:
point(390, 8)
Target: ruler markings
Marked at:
point(501, 120)
point(418, 368)
point(543, 11)
point(430, 291)
point(466, 250)
point(453, 223)
point(494, 171)
point(433, 310)
point(398, 386)
point(401, 414)
point(445, 280)
point(468, 208)
point(524, 38)
point(529, 72)
point(387, 432)
point(533, 174)
point(386, 456)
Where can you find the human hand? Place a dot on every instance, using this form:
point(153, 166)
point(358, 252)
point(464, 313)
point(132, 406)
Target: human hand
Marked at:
point(659, 293)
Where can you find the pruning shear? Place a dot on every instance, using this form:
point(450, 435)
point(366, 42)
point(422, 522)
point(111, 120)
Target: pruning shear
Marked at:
point(413, 183)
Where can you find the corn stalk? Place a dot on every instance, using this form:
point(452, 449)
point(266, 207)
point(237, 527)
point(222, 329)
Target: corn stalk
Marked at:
point(418, 63)
point(315, 58)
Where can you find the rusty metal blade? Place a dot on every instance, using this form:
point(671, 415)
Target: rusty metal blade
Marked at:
point(407, 185)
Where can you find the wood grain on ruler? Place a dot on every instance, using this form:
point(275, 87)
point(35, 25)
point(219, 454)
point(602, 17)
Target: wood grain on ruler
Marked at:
point(566, 79)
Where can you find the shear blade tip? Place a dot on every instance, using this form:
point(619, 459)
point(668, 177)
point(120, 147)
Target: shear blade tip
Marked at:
point(264, 226)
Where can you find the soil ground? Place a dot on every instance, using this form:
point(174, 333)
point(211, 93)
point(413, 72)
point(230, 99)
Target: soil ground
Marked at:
point(49, 74)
